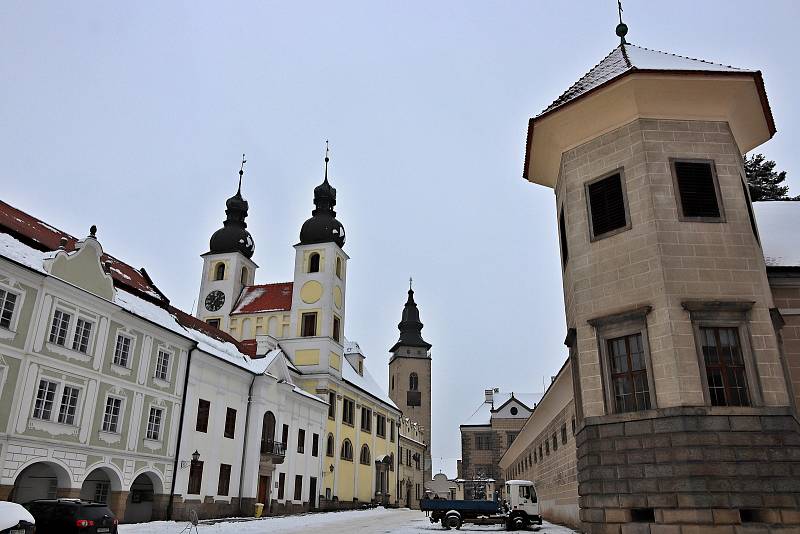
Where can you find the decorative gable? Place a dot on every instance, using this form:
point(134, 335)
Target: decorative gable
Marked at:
point(82, 267)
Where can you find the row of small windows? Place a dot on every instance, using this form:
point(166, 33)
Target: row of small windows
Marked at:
point(219, 273)
point(541, 451)
point(698, 199)
point(308, 326)
point(66, 411)
point(348, 417)
point(413, 382)
point(346, 452)
point(314, 264)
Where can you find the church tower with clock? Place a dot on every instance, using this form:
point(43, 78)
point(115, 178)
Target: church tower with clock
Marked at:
point(227, 266)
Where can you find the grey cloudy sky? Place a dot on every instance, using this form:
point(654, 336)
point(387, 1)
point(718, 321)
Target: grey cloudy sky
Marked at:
point(133, 116)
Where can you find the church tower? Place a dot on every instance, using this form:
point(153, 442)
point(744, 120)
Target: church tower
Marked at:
point(410, 374)
point(318, 299)
point(227, 266)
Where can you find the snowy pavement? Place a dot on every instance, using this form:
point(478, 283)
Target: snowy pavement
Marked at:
point(378, 520)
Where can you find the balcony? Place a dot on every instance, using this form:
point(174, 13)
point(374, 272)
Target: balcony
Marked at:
point(273, 451)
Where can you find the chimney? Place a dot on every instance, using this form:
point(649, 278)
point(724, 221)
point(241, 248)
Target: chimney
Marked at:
point(488, 396)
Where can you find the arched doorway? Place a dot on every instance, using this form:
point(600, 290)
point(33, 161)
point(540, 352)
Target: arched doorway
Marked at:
point(104, 485)
point(144, 491)
point(41, 480)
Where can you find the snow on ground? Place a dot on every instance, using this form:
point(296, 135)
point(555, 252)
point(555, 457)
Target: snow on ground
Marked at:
point(378, 520)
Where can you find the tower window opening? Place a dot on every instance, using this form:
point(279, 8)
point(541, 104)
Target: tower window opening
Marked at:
point(309, 328)
point(243, 278)
point(337, 328)
point(562, 234)
point(313, 263)
point(608, 212)
point(339, 267)
point(413, 382)
point(219, 271)
point(697, 190)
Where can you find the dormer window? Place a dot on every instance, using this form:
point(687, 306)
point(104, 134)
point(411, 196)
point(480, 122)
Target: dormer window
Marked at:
point(313, 263)
point(219, 271)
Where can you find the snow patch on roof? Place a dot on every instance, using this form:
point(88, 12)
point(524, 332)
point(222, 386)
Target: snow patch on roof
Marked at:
point(483, 415)
point(366, 383)
point(778, 222)
point(23, 254)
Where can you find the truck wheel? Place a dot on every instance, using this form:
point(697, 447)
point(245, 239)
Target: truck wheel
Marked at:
point(452, 520)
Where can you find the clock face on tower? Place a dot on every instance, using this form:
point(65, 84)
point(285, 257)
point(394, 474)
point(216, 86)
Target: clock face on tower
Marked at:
point(215, 300)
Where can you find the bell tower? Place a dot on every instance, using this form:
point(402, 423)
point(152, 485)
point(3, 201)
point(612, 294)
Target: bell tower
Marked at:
point(227, 266)
point(410, 374)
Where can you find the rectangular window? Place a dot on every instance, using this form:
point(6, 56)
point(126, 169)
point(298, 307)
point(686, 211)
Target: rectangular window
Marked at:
point(380, 425)
point(391, 431)
point(483, 442)
point(285, 435)
point(281, 485)
point(366, 419)
point(59, 327)
point(336, 328)
point(298, 488)
point(309, 325)
point(408, 457)
point(224, 479)
point(7, 302)
point(230, 423)
point(80, 341)
point(416, 461)
point(69, 404)
point(547, 447)
point(725, 371)
point(154, 423)
point(203, 410)
point(301, 441)
point(563, 433)
point(417, 491)
point(629, 373)
point(162, 365)
point(348, 407)
point(697, 196)
point(332, 404)
point(213, 322)
point(45, 396)
point(555, 442)
point(195, 477)
point(101, 492)
point(122, 351)
point(562, 234)
point(607, 210)
point(315, 445)
point(111, 414)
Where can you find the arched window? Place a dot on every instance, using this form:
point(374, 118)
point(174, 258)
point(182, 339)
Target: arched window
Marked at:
point(267, 433)
point(364, 457)
point(347, 450)
point(329, 446)
point(338, 267)
point(313, 263)
point(219, 271)
point(391, 461)
point(413, 382)
point(243, 278)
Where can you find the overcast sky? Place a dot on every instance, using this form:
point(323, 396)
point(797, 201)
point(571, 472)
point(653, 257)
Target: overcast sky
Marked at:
point(133, 116)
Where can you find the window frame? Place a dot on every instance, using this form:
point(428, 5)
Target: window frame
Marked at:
point(301, 441)
point(332, 405)
point(195, 478)
point(343, 450)
point(677, 191)
point(153, 430)
point(623, 184)
point(19, 300)
point(330, 446)
point(230, 421)
point(169, 354)
point(303, 316)
point(361, 459)
point(725, 314)
point(352, 417)
point(128, 356)
point(366, 422)
point(336, 329)
point(215, 272)
point(224, 489)
point(380, 425)
point(198, 427)
point(120, 416)
point(311, 257)
point(618, 325)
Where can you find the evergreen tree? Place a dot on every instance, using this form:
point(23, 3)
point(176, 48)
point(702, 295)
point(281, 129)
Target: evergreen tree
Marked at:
point(763, 181)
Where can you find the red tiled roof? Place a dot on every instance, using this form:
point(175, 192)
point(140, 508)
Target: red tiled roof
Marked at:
point(249, 347)
point(264, 298)
point(40, 235)
point(190, 321)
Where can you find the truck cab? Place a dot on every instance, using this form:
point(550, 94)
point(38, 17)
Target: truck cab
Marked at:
point(522, 503)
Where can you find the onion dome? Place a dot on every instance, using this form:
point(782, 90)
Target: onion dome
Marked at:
point(233, 236)
point(410, 326)
point(323, 227)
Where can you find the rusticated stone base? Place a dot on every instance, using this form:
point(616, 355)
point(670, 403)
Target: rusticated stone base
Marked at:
point(288, 508)
point(690, 470)
point(208, 508)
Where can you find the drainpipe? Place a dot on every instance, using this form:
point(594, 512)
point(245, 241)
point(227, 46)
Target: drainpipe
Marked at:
point(180, 431)
point(244, 444)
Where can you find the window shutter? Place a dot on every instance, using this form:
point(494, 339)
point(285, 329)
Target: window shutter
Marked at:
point(607, 204)
point(696, 188)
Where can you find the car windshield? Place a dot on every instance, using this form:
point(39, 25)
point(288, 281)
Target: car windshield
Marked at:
point(95, 511)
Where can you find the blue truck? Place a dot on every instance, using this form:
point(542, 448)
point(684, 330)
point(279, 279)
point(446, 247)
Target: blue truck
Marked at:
point(519, 511)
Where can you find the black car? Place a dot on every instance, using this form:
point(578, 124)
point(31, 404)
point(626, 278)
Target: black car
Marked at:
point(68, 516)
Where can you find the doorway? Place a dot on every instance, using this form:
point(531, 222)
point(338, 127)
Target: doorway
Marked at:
point(263, 490)
point(312, 493)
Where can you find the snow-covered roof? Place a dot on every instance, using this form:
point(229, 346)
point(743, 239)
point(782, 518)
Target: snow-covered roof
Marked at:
point(351, 347)
point(365, 383)
point(483, 415)
point(628, 57)
point(264, 298)
point(165, 317)
point(777, 223)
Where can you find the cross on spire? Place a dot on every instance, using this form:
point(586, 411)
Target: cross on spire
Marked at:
point(327, 159)
point(622, 28)
point(241, 173)
point(410, 283)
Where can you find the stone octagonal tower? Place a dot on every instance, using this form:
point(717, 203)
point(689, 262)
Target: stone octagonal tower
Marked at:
point(681, 390)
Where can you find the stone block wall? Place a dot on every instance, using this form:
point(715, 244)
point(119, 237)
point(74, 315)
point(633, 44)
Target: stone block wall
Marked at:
point(786, 295)
point(690, 470)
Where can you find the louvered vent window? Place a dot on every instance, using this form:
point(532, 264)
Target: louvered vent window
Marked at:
point(562, 230)
point(697, 190)
point(607, 205)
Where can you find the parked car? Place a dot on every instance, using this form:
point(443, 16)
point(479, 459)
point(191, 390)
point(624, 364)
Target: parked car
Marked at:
point(72, 516)
point(15, 519)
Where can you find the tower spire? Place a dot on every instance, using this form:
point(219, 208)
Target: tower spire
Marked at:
point(241, 173)
point(327, 159)
point(622, 28)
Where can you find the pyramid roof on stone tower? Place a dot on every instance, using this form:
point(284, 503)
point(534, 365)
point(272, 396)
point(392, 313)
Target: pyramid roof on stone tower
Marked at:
point(627, 58)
